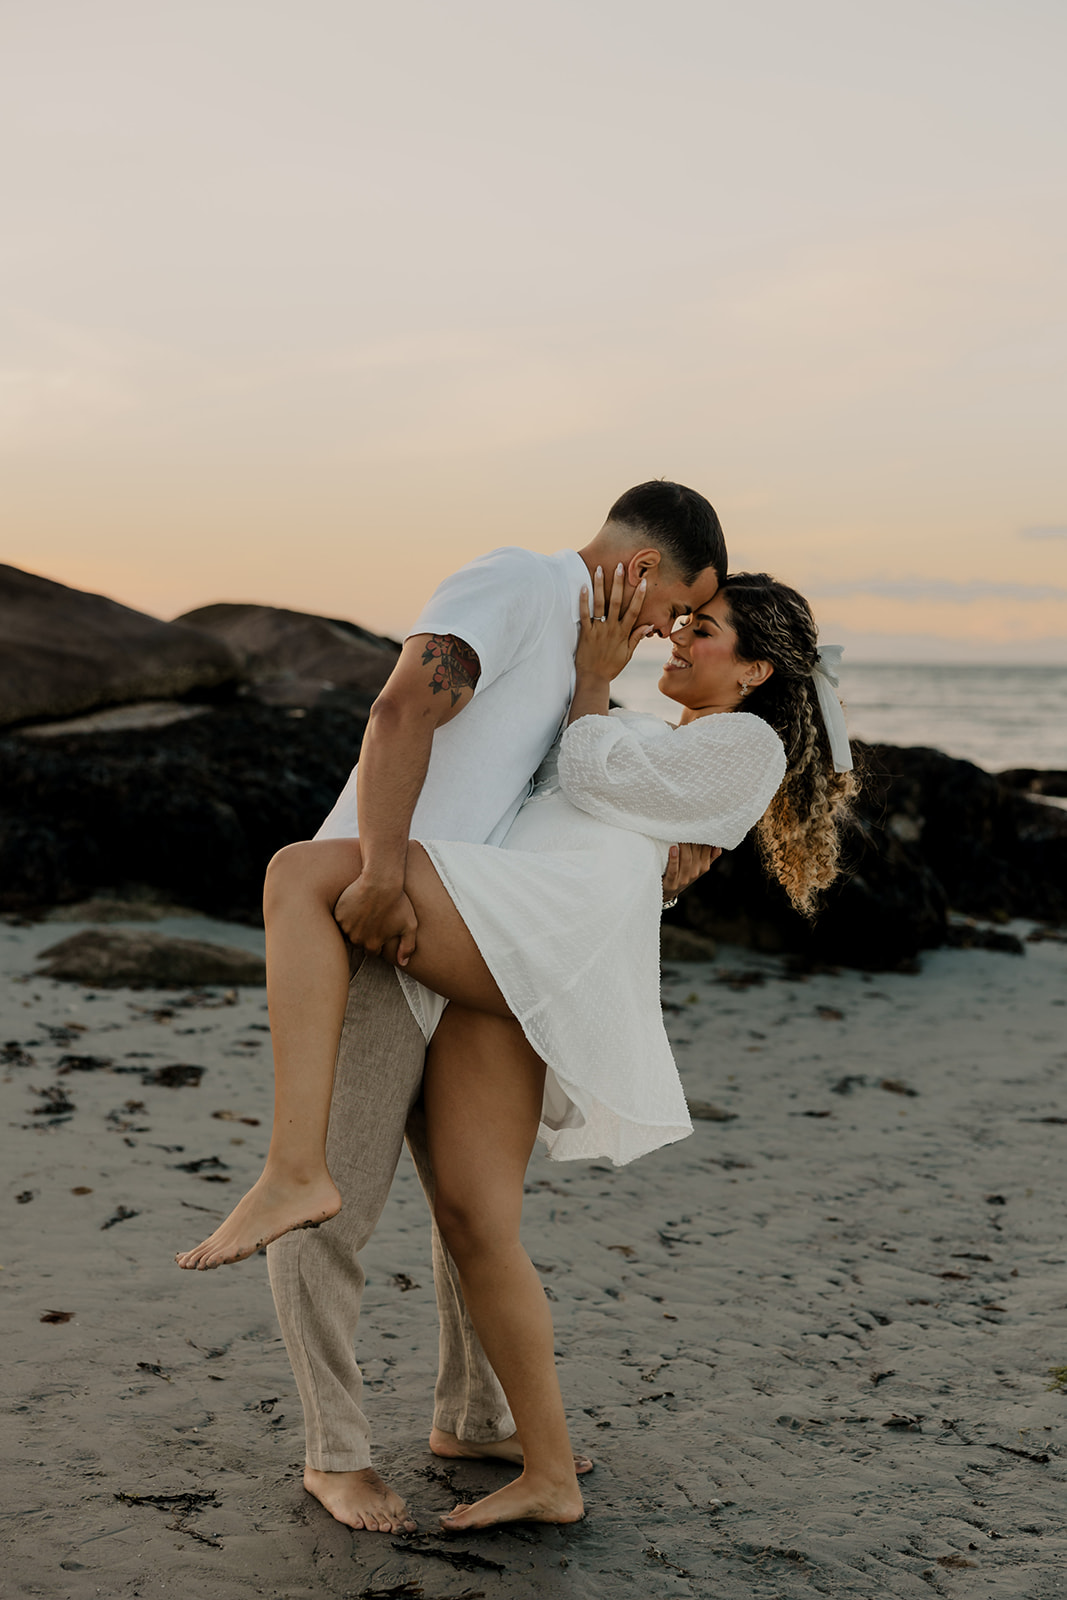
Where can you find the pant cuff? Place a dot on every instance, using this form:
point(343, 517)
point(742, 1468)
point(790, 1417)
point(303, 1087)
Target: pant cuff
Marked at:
point(338, 1460)
point(490, 1432)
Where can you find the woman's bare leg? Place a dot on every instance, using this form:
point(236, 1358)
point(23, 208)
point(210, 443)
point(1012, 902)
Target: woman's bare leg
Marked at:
point(307, 986)
point(307, 989)
point(483, 1090)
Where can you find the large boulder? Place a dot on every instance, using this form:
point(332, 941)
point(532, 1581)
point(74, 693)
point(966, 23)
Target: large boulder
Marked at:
point(192, 811)
point(998, 853)
point(116, 960)
point(63, 651)
point(294, 658)
point(930, 835)
point(885, 908)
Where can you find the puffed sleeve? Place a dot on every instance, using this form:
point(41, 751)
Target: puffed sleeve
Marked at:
point(706, 783)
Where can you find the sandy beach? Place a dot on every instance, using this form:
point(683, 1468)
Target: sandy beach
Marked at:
point(809, 1347)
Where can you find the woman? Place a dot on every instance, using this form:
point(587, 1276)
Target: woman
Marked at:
point(547, 951)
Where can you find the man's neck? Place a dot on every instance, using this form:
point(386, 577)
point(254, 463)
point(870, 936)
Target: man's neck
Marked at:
point(606, 549)
point(592, 559)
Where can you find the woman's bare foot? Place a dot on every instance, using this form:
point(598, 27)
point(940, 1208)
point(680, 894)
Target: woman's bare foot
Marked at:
point(509, 1449)
point(522, 1501)
point(270, 1208)
point(360, 1500)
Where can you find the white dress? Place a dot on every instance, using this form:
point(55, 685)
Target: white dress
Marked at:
point(566, 912)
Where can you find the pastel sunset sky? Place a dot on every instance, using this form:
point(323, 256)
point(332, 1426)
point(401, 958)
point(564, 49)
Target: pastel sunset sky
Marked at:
point(309, 303)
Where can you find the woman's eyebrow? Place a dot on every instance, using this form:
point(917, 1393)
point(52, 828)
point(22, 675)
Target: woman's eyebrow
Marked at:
point(704, 616)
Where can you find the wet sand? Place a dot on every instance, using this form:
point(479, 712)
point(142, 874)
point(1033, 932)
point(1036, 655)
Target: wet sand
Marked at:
point(809, 1347)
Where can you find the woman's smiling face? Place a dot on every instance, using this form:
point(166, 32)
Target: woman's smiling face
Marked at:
point(705, 672)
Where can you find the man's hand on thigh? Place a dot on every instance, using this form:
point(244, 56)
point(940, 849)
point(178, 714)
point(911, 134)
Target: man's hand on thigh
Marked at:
point(687, 863)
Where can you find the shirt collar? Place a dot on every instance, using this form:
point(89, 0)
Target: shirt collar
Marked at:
point(577, 577)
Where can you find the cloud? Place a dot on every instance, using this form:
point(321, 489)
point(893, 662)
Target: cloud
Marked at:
point(873, 645)
point(1053, 531)
point(949, 590)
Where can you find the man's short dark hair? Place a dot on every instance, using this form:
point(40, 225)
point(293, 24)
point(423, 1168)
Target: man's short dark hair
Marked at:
point(679, 522)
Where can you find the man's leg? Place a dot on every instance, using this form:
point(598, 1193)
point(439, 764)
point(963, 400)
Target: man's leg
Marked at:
point(315, 1274)
point(317, 1279)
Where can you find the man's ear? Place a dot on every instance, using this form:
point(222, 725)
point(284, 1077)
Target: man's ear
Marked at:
point(643, 564)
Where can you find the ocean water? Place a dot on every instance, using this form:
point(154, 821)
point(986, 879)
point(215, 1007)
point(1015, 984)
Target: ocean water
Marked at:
point(997, 717)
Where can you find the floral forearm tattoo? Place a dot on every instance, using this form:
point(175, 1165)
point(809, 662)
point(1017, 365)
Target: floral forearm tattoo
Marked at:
point(457, 665)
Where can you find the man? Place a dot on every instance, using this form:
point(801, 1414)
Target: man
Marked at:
point(482, 687)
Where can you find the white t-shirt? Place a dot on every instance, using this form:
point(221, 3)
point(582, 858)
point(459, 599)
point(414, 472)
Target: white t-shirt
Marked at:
point(519, 612)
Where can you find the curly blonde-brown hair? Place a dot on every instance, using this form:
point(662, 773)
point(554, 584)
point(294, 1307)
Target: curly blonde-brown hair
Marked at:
point(799, 833)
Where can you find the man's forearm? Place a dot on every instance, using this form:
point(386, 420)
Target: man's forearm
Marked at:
point(392, 769)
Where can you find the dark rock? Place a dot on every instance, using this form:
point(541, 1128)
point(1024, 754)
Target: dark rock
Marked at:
point(63, 651)
point(190, 813)
point(292, 658)
point(115, 960)
point(929, 833)
point(107, 908)
point(969, 936)
point(1031, 781)
point(884, 909)
point(704, 1111)
point(997, 854)
point(739, 980)
point(117, 719)
point(682, 944)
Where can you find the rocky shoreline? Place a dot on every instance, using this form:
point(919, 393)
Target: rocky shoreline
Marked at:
point(184, 796)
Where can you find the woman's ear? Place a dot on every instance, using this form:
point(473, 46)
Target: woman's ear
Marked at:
point(757, 672)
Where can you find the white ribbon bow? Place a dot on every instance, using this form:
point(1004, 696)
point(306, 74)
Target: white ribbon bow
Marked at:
point(824, 672)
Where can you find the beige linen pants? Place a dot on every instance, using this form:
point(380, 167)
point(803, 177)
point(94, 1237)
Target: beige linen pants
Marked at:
point(315, 1273)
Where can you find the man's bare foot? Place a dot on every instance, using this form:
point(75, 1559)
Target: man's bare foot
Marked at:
point(522, 1501)
point(360, 1500)
point(509, 1449)
point(269, 1209)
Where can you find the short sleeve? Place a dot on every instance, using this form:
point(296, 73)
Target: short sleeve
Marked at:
point(498, 604)
point(706, 783)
